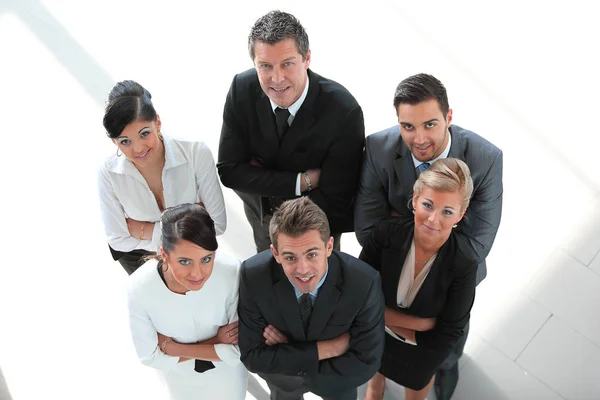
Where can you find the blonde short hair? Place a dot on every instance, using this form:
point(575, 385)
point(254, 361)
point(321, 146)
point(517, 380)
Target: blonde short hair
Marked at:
point(296, 217)
point(447, 175)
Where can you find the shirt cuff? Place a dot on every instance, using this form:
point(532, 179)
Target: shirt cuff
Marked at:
point(298, 193)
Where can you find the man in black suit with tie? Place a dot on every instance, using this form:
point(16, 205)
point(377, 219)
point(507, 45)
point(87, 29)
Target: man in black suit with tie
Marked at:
point(288, 132)
point(396, 156)
point(310, 318)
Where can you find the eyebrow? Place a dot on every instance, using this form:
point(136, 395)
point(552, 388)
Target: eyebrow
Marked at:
point(426, 122)
point(306, 252)
point(140, 131)
point(431, 201)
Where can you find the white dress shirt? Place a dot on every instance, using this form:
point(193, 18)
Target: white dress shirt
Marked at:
point(188, 318)
point(189, 176)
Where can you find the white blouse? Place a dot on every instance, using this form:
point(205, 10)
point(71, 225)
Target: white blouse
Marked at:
point(189, 176)
point(188, 318)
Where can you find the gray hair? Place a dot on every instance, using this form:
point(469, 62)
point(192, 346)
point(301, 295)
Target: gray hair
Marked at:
point(276, 26)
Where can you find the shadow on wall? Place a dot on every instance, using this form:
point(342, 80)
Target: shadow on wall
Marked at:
point(4, 393)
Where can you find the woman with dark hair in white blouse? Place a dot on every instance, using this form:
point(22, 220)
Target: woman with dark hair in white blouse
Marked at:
point(183, 310)
point(149, 173)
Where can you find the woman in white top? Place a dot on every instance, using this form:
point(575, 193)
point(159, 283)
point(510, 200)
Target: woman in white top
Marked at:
point(183, 310)
point(427, 281)
point(149, 173)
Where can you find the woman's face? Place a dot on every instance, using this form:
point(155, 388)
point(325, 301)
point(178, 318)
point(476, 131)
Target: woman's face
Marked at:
point(435, 214)
point(189, 265)
point(140, 143)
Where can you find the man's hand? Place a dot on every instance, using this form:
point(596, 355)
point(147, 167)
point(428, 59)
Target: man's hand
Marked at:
point(333, 347)
point(314, 175)
point(255, 163)
point(394, 213)
point(273, 336)
point(228, 334)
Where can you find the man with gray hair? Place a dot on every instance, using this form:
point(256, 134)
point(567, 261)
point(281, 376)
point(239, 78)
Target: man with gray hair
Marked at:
point(310, 318)
point(288, 132)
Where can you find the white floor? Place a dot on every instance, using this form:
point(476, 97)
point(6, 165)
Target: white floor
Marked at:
point(522, 75)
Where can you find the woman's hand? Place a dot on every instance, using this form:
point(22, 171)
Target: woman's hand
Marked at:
point(139, 229)
point(228, 334)
point(165, 343)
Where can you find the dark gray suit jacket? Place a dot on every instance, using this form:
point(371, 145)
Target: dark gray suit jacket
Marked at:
point(388, 175)
point(350, 300)
point(327, 132)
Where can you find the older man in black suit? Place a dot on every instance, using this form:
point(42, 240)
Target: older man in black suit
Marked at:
point(310, 318)
point(396, 156)
point(289, 132)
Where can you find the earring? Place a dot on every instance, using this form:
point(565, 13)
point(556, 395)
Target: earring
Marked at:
point(413, 211)
point(119, 155)
point(454, 226)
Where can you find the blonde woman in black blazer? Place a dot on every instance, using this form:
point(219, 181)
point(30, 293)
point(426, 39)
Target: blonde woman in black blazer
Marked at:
point(427, 306)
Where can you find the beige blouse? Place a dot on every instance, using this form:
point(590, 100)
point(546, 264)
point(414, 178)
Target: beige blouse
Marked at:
point(409, 284)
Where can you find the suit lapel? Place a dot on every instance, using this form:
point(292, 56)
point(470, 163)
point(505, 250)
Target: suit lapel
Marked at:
point(288, 303)
point(405, 171)
point(392, 262)
point(457, 149)
point(266, 119)
point(304, 120)
point(327, 299)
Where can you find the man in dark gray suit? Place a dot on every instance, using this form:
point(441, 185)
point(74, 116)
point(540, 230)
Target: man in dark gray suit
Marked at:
point(395, 157)
point(310, 317)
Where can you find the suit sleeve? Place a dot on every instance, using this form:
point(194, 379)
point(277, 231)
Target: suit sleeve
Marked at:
point(367, 337)
point(455, 315)
point(481, 221)
point(371, 251)
point(372, 204)
point(209, 189)
point(235, 156)
point(340, 170)
point(299, 358)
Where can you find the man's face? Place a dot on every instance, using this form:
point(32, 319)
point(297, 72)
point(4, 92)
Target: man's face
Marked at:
point(424, 129)
point(303, 258)
point(281, 71)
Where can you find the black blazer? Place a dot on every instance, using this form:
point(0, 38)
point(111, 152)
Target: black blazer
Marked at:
point(328, 133)
point(388, 175)
point(350, 300)
point(447, 293)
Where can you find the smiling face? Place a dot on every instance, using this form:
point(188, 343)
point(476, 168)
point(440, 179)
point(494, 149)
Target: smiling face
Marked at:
point(190, 266)
point(303, 258)
point(140, 143)
point(281, 71)
point(435, 214)
point(424, 129)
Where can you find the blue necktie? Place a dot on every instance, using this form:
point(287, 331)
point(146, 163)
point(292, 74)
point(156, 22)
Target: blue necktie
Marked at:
point(423, 167)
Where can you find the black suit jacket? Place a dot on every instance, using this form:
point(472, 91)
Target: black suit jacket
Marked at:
point(447, 293)
point(350, 300)
point(388, 175)
point(327, 133)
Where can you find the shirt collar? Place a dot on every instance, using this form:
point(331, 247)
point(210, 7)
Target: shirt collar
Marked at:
point(443, 155)
point(293, 109)
point(173, 157)
point(315, 292)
